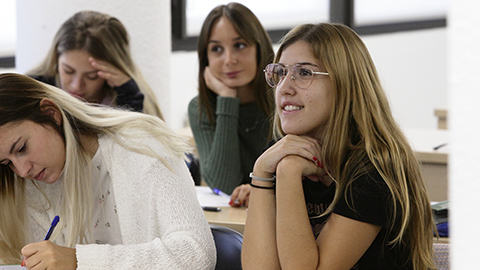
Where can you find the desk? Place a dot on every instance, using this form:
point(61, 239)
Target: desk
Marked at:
point(231, 217)
point(433, 163)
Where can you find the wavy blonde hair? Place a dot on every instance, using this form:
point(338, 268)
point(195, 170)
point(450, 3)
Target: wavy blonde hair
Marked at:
point(362, 135)
point(103, 37)
point(20, 97)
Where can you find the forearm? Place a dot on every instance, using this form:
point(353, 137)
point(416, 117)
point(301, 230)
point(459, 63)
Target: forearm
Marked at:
point(177, 251)
point(296, 244)
point(259, 249)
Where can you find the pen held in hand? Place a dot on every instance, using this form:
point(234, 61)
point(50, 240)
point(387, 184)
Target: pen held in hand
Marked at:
point(52, 227)
point(49, 233)
point(223, 194)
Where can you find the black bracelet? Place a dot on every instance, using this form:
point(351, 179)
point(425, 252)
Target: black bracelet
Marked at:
point(262, 187)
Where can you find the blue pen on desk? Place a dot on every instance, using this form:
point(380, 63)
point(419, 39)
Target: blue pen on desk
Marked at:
point(220, 193)
point(52, 227)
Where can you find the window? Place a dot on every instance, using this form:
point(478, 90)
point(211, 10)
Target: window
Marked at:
point(364, 16)
point(274, 15)
point(8, 34)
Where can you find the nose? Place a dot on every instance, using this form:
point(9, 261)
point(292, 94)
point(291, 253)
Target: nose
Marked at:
point(22, 168)
point(287, 85)
point(231, 57)
point(76, 83)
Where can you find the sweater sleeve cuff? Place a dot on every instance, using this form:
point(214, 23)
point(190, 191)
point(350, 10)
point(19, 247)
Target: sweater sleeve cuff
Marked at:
point(228, 106)
point(91, 255)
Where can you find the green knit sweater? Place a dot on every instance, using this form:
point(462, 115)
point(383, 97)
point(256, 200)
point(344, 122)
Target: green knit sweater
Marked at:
point(228, 149)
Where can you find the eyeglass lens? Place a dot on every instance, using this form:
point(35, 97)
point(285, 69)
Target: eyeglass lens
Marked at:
point(302, 76)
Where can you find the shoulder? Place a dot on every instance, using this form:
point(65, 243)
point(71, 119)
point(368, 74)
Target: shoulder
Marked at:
point(193, 103)
point(115, 150)
point(366, 199)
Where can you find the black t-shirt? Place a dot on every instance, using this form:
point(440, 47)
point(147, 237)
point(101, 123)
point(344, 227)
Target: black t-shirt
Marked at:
point(369, 201)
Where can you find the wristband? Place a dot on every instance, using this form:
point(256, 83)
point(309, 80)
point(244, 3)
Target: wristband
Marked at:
point(261, 187)
point(262, 178)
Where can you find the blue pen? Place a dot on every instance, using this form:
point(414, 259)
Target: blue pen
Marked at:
point(220, 193)
point(223, 194)
point(52, 227)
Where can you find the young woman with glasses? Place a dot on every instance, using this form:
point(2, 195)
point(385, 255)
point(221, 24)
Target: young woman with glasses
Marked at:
point(229, 118)
point(117, 180)
point(90, 59)
point(341, 187)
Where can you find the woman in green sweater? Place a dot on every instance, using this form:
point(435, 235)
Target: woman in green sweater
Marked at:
point(229, 117)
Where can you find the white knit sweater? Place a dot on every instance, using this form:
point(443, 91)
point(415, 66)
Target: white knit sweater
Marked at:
point(161, 222)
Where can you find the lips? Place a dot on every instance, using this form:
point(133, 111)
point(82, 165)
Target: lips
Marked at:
point(290, 108)
point(77, 95)
point(232, 74)
point(39, 176)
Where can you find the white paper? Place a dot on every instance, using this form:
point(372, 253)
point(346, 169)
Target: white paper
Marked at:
point(206, 197)
point(12, 267)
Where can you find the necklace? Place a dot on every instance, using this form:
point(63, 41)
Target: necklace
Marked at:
point(248, 129)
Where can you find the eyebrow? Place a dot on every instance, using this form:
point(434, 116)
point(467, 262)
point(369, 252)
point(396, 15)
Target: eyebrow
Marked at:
point(307, 63)
point(216, 41)
point(89, 72)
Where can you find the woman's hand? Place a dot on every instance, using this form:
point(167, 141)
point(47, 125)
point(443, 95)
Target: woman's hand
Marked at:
point(240, 196)
point(303, 146)
point(47, 255)
point(109, 72)
point(217, 86)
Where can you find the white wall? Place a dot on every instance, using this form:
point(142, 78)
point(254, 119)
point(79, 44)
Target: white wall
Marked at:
point(147, 22)
point(464, 95)
point(412, 66)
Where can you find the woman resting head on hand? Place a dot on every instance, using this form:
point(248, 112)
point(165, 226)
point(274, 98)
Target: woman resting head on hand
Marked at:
point(116, 178)
point(348, 193)
point(229, 117)
point(90, 58)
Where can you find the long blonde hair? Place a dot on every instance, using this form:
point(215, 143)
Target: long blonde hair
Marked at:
point(105, 38)
point(362, 135)
point(20, 97)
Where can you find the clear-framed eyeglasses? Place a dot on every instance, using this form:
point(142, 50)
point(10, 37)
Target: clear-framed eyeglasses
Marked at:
point(301, 75)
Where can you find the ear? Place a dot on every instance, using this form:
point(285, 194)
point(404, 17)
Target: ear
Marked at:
point(48, 107)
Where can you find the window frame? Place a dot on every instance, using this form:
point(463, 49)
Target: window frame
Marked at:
point(341, 11)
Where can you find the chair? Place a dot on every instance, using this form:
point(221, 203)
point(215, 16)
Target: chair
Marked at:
point(442, 255)
point(229, 247)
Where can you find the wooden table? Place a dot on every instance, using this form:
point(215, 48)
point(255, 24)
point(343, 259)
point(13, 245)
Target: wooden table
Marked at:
point(231, 217)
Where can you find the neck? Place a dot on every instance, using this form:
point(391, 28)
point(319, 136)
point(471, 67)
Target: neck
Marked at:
point(245, 94)
point(90, 143)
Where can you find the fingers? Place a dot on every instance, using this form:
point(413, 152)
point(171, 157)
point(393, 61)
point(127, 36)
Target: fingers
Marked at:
point(47, 255)
point(31, 256)
point(303, 146)
point(216, 85)
point(109, 72)
point(240, 196)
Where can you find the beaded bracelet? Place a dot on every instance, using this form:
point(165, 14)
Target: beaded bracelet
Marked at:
point(262, 178)
point(262, 187)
